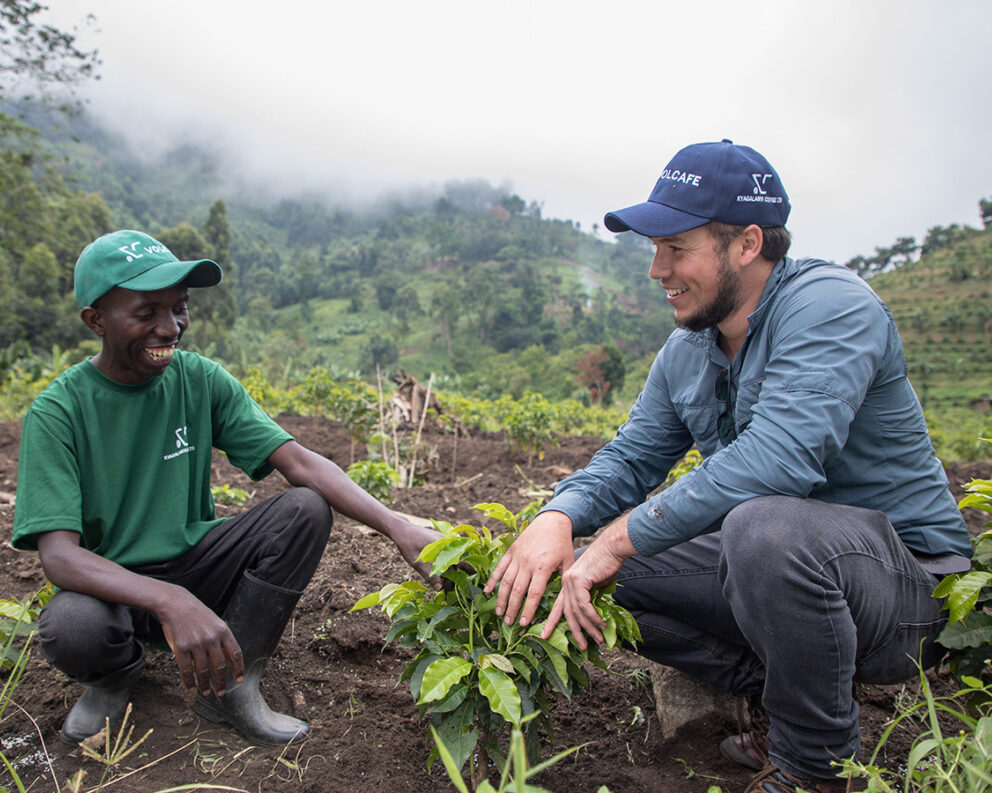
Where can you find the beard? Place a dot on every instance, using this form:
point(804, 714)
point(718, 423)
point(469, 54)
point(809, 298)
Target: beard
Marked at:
point(724, 302)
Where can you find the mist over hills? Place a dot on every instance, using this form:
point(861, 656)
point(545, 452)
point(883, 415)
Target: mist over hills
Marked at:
point(465, 280)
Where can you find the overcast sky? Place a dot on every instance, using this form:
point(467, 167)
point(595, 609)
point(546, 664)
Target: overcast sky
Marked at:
point(877, 115)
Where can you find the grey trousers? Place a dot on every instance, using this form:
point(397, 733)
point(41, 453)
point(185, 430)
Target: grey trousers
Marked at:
point(279, 541)
point(795, 600)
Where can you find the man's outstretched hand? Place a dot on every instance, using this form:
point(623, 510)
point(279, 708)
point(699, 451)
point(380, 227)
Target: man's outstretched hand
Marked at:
point(543, 549)
point(410, 541)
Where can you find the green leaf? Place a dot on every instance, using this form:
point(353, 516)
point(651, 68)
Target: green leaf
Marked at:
point(555, 657)
point(451, 554)
point(975, 630)
point(522, 667)
point(964, 591)
point(431, 550)
point(498, 512)
point(441, 676)
point(417, 674)
point(366, 602)
point(452, 700)
point(458, 732)
point(398, 629)
point(504, 699)
point(453, 768)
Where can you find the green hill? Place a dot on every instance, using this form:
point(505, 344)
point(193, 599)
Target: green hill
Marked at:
point(467, 282)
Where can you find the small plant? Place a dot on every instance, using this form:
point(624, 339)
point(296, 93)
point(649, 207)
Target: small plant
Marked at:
point(516, 762)
point(225, 494)
point(374, 476)
point(18, 619)
point(968, 633)
point(691, 460)
point(528, 424)
point(473, 674)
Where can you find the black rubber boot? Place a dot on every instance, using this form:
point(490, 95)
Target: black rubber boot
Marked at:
point(256, 615)
point(105, 699)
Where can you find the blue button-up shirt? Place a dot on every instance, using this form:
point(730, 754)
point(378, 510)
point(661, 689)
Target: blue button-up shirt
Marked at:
point(823, 410)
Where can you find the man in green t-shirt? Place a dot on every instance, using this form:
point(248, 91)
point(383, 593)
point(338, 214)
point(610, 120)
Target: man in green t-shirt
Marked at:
point(114, 494)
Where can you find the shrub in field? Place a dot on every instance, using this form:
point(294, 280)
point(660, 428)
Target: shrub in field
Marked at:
point(940, 759)
point(529, 425)
point(18, 623)
point(475, 676)
point(968, 633)
point(225, 494)
point(374, 476)
point(516, 764)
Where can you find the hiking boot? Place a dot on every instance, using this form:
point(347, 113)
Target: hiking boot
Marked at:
point(103, 700)
point(749, 748)
point(775, 780)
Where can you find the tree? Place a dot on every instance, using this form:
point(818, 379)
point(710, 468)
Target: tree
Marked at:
point(602, 370)
point(985, 211)
point(218, 231)
point(379, 351)
point(36, 55)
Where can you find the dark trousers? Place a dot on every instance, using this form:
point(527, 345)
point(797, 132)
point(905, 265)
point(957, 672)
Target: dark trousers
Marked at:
point(793, 599)
point(278, 542)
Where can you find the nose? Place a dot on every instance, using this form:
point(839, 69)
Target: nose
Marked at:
point(660, 266)
point(169, 326)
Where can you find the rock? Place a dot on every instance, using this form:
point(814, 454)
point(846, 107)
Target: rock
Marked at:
point(681, 699)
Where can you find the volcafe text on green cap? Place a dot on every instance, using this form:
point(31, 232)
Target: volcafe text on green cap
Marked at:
point(134, 260)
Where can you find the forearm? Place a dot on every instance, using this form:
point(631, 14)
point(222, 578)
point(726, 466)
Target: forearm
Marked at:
point(71, 567)
point(304, 468)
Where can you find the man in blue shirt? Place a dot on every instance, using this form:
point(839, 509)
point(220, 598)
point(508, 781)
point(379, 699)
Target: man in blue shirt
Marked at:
point(799, 557)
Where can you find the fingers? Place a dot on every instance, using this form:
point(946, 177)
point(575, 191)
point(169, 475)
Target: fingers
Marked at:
point(501, 567)
point(574, 603)
point(232, 661)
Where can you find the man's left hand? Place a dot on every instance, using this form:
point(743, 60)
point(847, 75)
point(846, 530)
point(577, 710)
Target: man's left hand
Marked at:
point(594, 568)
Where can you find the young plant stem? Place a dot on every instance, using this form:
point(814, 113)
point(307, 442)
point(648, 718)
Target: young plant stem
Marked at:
point(382, 416)
point(420, 428)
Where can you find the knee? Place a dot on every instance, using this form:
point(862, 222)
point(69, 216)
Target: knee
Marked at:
point(313, 516)
point(759, 530)
point(85, 637)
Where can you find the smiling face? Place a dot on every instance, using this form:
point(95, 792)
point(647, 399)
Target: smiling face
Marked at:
point(140, 331)
point(696, 273)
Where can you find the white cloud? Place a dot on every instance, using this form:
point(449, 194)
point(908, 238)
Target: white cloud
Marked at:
point(873, 113)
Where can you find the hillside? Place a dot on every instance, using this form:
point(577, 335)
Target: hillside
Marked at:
point(466, 281)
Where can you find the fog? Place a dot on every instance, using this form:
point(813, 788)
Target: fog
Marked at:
point(875, 114)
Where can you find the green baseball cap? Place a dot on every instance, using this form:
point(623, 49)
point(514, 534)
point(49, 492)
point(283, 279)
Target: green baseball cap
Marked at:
point(133, 260)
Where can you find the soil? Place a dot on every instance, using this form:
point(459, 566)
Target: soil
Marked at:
point(332, 669)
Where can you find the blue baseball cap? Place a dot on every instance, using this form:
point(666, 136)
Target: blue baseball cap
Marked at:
point(704, 182)
point(133, 260)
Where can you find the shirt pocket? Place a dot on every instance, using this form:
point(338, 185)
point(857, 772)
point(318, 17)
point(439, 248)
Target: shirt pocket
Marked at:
point(701, 419)
point(748, 393)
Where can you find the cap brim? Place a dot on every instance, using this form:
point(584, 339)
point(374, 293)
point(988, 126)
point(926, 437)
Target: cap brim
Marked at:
point(204, 272)
point(652, 220)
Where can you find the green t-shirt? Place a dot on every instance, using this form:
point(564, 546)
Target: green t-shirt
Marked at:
point(128, 467)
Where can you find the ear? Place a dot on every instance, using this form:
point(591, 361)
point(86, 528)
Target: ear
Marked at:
point(93, 317)
point(751, 241)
